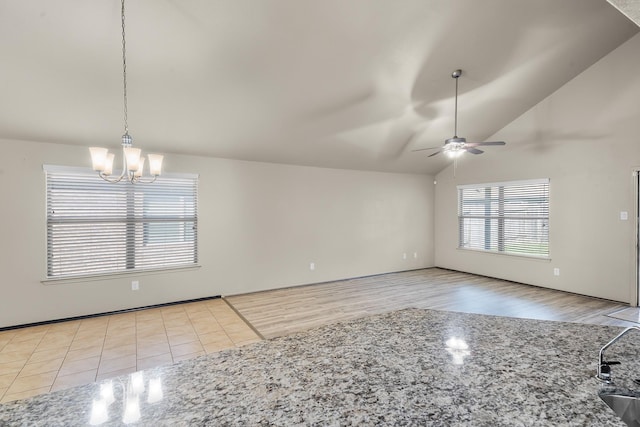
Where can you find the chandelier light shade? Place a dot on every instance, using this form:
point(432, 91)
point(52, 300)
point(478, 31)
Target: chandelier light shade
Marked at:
point(155, 163)
point(132, 162)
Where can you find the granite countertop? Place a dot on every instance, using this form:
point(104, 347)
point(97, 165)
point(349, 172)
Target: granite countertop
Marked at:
point(410, 367)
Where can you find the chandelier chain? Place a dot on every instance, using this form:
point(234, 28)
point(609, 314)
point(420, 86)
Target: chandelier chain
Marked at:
point(124, 72)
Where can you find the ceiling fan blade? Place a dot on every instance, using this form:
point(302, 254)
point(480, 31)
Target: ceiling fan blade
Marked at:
point(473, 150)
point(429, 148)
point(431, 155)
point(476, 144)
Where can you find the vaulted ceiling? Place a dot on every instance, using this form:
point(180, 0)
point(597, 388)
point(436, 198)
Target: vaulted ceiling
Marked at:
point(332, 83)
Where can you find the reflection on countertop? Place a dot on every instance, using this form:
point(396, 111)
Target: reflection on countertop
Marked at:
point(132, 389)
point(410, 367)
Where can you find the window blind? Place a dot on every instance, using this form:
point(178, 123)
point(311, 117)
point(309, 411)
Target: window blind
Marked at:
point(510, 217)
point(95, 227)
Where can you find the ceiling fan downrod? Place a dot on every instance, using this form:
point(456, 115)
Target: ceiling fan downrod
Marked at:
point(455, 75)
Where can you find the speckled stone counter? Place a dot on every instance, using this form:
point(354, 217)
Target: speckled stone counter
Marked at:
point(411, 367)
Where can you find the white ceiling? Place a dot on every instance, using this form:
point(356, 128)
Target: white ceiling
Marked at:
point(350, 84)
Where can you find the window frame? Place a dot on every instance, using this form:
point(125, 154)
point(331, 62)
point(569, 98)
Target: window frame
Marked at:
point(500, 230)
point(134, 194)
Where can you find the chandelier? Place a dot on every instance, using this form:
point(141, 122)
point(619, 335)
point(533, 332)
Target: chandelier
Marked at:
point(132, 163)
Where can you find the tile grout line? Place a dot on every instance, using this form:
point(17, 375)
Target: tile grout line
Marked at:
point(75, 334)
point(104, 339)
point(135, 333)
point(244, 319)
point(198, 337)
point(166, 334)
point(26, 362)
point(224, 330)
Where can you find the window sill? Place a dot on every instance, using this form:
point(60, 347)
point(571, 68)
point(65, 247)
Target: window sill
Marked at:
point(110, 276)
point(546, 258)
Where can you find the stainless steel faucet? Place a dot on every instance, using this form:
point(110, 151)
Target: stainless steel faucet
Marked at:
point(604, 367)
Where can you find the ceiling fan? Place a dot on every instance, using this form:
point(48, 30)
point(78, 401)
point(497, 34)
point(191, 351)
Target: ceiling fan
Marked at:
point(455, 146)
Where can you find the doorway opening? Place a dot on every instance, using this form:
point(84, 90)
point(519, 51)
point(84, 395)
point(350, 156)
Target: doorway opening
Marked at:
point(636, 174)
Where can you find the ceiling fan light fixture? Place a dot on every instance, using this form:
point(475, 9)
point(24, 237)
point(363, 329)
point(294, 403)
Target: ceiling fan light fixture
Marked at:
point(454, 149)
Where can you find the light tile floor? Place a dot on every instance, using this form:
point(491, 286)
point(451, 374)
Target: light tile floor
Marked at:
point(46, 358)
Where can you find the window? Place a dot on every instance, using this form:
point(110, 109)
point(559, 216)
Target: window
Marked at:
point(508, 217)
point(95, 227)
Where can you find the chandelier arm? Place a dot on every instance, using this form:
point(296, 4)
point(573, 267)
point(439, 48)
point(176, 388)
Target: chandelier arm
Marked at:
point(140, 180)
point(119, 178)
point(109, 179)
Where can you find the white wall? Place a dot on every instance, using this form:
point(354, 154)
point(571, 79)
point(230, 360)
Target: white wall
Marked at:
point(586, 139)
point(260, 225)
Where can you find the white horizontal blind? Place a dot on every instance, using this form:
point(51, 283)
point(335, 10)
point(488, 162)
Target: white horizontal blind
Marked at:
point(95, 227)
point(510, 217)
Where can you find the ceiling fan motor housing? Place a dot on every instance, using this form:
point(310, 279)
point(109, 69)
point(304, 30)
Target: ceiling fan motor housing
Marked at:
point(456, 140)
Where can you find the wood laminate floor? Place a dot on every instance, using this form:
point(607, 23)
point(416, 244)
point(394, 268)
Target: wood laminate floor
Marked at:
point(283, 311)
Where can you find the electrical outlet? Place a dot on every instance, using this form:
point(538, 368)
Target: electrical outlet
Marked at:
point(135, 285)
point(404, 255)
point(312, 266)
point(415, 255)
point(556, 271)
